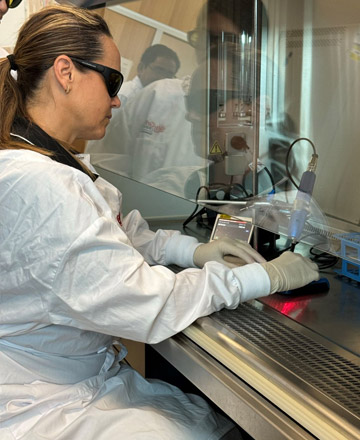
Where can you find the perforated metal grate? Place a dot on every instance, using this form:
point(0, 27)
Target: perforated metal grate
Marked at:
point(319, 37)
point(326, 371)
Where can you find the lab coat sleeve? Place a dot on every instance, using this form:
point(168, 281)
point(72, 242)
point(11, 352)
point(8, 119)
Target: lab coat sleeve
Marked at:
point(69, 255)
point(163, 247)
point(113, 290)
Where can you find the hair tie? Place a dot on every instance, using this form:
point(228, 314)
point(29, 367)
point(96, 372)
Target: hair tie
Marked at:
point(13, 65)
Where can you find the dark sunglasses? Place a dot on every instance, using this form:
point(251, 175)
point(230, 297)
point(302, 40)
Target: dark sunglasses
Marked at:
point(113, 78)
point(13, 3)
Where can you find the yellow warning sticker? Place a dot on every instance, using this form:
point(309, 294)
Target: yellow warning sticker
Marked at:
point(355, 55)
point(355, 51)
point(216, 149)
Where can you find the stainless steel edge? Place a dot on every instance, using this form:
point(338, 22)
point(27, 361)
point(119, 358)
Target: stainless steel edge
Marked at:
point(245, 406)
point(305, 395)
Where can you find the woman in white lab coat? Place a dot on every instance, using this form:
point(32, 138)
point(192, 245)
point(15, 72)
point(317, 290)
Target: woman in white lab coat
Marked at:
point(74, 274)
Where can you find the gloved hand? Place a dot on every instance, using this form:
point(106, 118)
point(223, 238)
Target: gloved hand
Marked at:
point(232, 253)
point(290, 271)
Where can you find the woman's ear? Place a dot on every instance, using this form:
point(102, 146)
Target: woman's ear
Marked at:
point(64, 72)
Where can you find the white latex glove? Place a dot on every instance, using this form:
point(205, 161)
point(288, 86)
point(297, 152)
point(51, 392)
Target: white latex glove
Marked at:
point(232, 253)
point(290, 271)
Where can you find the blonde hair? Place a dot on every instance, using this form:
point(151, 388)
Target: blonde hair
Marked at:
point(53, 31)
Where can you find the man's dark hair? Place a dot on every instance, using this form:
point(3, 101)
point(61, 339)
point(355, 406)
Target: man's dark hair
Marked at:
point(241, 12)
point(159, 50)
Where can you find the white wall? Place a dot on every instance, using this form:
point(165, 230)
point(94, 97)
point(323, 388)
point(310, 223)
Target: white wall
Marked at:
point(10, 25)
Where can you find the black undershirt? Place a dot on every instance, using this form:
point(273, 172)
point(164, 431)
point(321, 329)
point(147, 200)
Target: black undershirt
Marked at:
point(34, 134)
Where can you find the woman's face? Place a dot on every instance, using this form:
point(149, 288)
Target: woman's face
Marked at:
point(91, 113)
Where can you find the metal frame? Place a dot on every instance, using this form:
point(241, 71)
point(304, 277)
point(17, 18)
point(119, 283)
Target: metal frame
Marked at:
point(255, 414)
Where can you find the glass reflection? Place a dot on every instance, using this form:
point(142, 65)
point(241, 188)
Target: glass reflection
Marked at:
point(264, 73)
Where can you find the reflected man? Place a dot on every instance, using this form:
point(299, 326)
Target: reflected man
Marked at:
point(157, 62)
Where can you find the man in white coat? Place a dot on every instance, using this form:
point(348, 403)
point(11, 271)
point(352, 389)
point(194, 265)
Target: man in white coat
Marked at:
point(150, 139)
point(157, 62)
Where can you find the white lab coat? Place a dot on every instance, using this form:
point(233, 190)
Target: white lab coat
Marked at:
point(72, 278)
point(150, 140)
point(129, 89)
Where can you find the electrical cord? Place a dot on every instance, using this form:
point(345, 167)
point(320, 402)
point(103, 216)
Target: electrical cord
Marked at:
point(288, 155)
point(271, 178)
point(195, 211)
point(229, 189)
point(301, 205)
point(323, 259)
point(234, 196)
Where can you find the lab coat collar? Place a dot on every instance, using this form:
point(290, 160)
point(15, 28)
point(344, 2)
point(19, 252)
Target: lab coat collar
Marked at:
point(31, 133)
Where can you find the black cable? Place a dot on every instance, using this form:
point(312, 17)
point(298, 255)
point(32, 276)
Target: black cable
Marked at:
point(323, 259)
point(288, 155)
point(240, 186)
point(284, 250)
point(195, 213)
point(271, 178)
point(227, 189)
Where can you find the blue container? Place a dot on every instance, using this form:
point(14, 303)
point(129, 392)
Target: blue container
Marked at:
point(350, 254)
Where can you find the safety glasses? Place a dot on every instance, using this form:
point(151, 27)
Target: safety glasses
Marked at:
point(13, 3)
point(113, 78)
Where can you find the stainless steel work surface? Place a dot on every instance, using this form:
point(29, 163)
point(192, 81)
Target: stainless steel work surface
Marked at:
point(314, 385)
point(307, 360)
point(249, 409)
point(313, 371)
point(302, 353)
point(335, 315)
